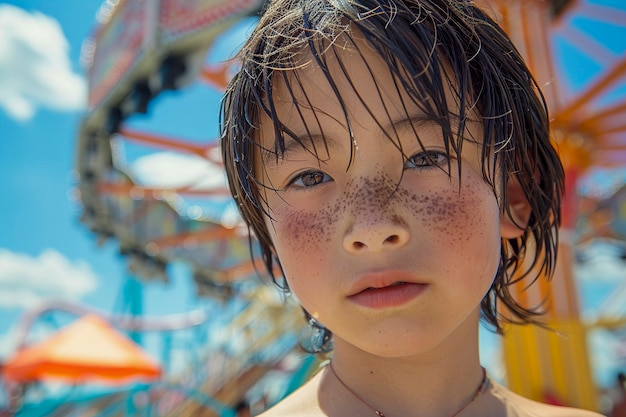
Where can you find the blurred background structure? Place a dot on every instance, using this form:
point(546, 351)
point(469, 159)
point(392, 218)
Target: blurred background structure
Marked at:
point(148, 186)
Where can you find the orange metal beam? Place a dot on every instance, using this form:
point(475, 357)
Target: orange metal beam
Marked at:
point(539, 50)
point(605, 14)
point(216, 75)
point(605, 130)
point(606, 143)
point(155, 193)
point(605, 82)
point(588, 45)
point(168, 143)
point(210, 233)
point(599, 117)
point(504, 12)
point(243, 269)
point(526, 24)
point(569, 8)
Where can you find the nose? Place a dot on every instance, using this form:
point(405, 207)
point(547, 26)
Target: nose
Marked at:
point(376, 236)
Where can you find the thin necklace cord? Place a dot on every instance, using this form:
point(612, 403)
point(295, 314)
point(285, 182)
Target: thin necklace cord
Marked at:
point(484, 383)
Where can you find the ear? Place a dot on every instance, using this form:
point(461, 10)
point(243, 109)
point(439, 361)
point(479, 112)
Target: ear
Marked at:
point(513, 226)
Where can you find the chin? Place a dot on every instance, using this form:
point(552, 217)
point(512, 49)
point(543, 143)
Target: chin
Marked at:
point(401, 346)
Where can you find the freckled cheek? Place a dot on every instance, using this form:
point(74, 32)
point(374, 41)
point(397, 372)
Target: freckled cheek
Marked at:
point(453, 217)
point(301, 232)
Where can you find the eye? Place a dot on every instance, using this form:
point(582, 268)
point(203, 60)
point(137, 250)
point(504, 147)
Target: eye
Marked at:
point(427, 159)
point(308, 179)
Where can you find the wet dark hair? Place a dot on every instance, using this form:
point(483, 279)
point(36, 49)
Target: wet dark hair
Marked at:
point(428, 46)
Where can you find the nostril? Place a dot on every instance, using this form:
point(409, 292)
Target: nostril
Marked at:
point(393, 239)
point(358, 245)
point(376, 238)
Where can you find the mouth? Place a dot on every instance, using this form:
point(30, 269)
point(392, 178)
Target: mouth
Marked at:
point(393, 295)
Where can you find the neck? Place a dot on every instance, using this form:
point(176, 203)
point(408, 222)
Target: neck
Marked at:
point(429, 385)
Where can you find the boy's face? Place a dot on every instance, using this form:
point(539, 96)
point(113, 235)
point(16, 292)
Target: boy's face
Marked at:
point(428, 243)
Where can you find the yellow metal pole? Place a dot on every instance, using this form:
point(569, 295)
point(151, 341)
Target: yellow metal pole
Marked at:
point(548, 364)
point(552, 364)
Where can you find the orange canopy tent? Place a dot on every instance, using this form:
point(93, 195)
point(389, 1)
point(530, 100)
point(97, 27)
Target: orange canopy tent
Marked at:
point(87, 350)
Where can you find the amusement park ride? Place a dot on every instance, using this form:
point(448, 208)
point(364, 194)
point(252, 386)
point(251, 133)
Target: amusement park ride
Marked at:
point(143, 48)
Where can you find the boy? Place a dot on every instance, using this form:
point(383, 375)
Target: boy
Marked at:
point(393, 160)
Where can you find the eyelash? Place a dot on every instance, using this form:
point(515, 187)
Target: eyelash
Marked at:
point(310, 174)
point(430, 159)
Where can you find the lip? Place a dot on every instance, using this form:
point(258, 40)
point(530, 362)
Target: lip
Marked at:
point(385, 289)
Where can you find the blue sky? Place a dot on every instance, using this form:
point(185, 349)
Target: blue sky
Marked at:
point(37, 160)
point(45, 252)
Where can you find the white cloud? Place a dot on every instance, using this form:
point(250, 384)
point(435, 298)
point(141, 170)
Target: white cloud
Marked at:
point(27, 281)
point(172, 170)
point(35, 68)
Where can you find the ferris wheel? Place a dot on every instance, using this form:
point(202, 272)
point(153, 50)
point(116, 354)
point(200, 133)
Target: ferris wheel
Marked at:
point(162, 196)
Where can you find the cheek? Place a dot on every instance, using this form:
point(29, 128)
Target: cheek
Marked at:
point(302, 239)
point(299, 231)
point(453, 216)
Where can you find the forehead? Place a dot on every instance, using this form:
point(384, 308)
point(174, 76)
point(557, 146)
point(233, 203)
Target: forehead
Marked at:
point(349, 85)
point(347, 80)
point(350, 76)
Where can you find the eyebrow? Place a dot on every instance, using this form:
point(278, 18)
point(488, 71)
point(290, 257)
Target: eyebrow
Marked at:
point(408, 124)
point(290, 143)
